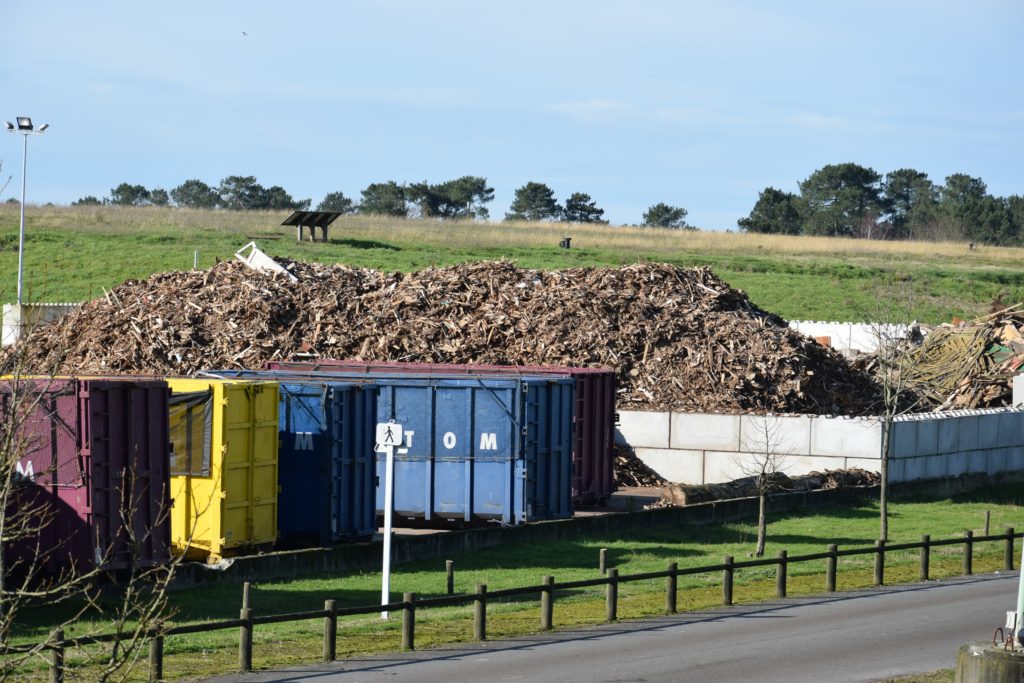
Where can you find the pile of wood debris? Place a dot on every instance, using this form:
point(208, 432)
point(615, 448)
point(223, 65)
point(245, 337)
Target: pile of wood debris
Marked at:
point(969, 364)
point(679, 339)
point(688, 494)
point(630, 470)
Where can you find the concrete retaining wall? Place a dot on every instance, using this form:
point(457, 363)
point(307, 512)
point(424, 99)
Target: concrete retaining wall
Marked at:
point(861, 337)
point(18, 321)
point(695, 448)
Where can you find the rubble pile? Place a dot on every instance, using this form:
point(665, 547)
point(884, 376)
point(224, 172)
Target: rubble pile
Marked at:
point(688, 494)
point(631, 471)
point(679, 339)
point(969, 364)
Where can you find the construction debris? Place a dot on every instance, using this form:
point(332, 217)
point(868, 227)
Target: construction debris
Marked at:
point(679, 339)
point(688, 494)
point(968, 364)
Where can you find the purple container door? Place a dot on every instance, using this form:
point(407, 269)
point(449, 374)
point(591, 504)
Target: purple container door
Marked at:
point(594, 414)
point(125, 444)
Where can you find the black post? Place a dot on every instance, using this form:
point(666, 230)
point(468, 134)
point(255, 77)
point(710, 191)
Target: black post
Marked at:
point(727, 581)
point(245, 640)
point(925, 556)
point(547, 603)
point(780, 574)
point(988, 518)
point(330, 632)
point(879, 562)
point(611, 607)
point(831, 568)
point(968, 552)
point(449, 570)
point(156, 658)
point(409, 621)
point(1008, 552)
point(57, 657)
point(671, 588)
point(480, 612)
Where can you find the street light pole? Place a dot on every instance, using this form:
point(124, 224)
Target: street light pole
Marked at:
point(24, 128)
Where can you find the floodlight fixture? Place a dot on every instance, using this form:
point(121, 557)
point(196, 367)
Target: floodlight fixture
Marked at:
point(24, 123)
point(43, 127)
point(10, 126)
point(24, 128)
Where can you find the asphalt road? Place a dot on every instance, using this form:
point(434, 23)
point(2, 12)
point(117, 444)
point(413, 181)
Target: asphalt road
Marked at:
point(856, 636)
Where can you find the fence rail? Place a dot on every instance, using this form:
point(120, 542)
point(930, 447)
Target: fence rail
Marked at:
point(545, 591)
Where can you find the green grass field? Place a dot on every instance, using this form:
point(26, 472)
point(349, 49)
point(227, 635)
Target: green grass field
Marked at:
point(74, 253)
point(520, 565)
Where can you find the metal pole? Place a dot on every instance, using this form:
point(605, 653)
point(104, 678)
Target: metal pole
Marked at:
point(21, 232)
point(389, 474)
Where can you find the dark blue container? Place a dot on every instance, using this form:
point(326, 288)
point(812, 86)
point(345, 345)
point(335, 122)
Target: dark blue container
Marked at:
point(326, 463)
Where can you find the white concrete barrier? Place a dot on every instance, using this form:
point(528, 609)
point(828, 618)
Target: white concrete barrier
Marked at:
point(863, 337)
point(20, 320)
point(695, 448)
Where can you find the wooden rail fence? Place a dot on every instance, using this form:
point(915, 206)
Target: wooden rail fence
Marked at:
point(546, 592)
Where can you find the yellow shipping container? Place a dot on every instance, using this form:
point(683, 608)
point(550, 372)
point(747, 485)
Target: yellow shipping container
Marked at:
point(223, 466)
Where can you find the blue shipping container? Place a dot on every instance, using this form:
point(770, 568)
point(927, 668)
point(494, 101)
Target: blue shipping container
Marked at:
point(326, 470)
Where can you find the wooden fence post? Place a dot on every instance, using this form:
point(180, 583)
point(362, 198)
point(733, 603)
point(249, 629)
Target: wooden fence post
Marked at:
point(449, 571)
point(547, 603)
point(727, 581)
point(780, 574)
point(831, 568)
point(879, 562)
point(1008, 552)
point(671, 588)
point(611, 607)
point(245, 595)
point(156, 658)
point(602, 560)
point(409, 621)
point(925, 556)
point(988, 518)
point(480, 612)
point(968, 552)
point(245, 640)
point(330, 632)
point(57, 657)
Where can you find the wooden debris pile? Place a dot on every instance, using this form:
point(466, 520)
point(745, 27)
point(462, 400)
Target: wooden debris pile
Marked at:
point(969, 364)
point(679, 339)
point(632, 471)
point(688, 494)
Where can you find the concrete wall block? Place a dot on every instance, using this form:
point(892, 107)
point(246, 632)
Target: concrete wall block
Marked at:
point(797, 464)
point(680, 467)
point(1018, 390)
point(869, 464)
point(857, 437)
point(723, 466)
point(903, 442)
point(927, 436)
point(958, 463)
point(988, 431)
point(700, 431)
point(1015, 459)
point(788, 434)
point(914, 468)
point(949, 434)
point(997, 460)
point(896, 472)
point(977, 461)
point(643, 429)
point(936, 466)
point(1010, 430)
point(967, 433)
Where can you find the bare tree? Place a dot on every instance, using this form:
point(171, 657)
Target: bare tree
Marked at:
point(766, 455)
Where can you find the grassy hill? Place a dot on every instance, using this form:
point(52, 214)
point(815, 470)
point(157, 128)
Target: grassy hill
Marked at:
point(74, 253)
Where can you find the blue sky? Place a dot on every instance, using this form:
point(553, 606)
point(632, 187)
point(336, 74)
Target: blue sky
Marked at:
point(696, 104)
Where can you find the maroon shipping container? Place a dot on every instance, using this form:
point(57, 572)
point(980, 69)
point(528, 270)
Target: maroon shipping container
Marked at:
point(593, 415)
point(96, 454)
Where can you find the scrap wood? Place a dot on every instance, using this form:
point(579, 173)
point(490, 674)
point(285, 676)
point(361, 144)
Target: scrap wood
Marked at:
point(679, 339)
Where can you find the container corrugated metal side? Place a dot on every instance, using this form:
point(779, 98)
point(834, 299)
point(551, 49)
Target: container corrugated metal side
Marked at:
point(594, 414)
point(96, 456)
point(223, 466)
point(477, 448)
point(327, 472)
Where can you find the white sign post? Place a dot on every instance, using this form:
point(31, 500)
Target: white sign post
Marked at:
point(389, 435)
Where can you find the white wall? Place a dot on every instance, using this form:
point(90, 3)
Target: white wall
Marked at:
point(20, 320)
point(694, 448)
point(861, 337)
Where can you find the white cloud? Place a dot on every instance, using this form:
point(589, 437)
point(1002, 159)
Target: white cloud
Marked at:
point(594, 110)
